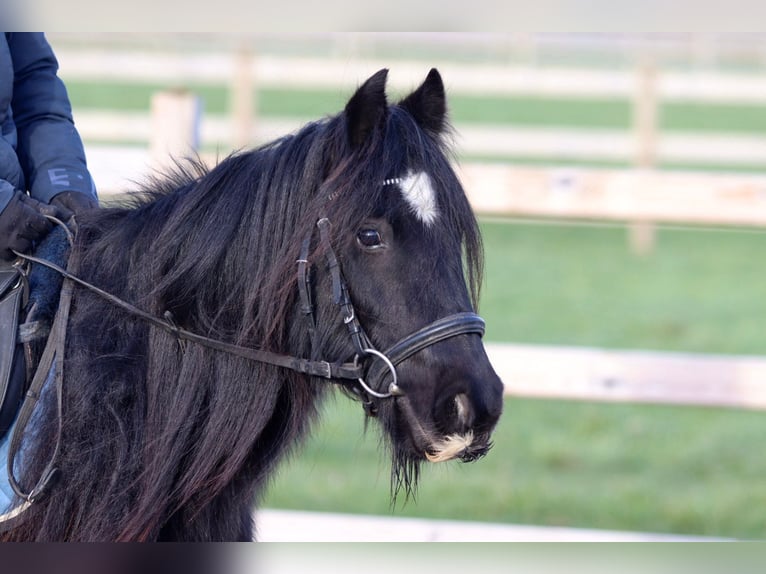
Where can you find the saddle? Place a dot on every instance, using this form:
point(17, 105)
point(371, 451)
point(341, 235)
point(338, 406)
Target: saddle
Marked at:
point(28, 301)
point(12, 369)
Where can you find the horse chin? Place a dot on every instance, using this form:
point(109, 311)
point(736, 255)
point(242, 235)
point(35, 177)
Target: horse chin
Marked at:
point(415, 441)
point(428, 444)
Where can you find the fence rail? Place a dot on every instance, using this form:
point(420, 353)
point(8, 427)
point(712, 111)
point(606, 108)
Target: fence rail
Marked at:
point(516, 141)
point(630, 376)
point(346, 73)
point(617, 195)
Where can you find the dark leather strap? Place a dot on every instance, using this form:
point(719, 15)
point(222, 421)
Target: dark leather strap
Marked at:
point(322, 369)
point(9, 277)
point(439, 330)
point(304, 284)
point(11, 372)
point(52, 357)
point(340, 294)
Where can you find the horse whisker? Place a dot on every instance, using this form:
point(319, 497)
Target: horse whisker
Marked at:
point(451, 446)
point(433, 448)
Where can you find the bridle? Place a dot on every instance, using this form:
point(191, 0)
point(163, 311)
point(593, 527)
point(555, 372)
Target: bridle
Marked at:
point(368, 369)
point(384, 362)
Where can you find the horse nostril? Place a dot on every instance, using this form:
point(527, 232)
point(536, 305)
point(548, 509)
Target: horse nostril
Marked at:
point(464, 411)
point(456, 415)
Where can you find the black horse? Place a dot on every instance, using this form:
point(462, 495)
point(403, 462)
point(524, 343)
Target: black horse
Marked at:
point(314, 252)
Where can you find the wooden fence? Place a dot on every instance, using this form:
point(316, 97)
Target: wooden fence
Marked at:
point(645, 86)
point(592, 374)
point(640, 195)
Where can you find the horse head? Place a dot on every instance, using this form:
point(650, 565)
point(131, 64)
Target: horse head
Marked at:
point(410, 253)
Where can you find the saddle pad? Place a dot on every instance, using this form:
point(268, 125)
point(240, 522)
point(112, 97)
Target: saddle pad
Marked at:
point(9, 276)
point(44, 288)
point(44, 283)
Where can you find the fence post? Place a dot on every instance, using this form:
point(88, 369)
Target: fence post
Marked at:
point(243, 98)
point(645, 120)
point(175, 126)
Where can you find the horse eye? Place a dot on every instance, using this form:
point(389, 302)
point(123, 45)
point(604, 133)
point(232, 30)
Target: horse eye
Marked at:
point(369, 238)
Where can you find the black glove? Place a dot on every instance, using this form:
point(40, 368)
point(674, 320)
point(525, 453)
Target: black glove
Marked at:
point(71, 203)
point(22, 223)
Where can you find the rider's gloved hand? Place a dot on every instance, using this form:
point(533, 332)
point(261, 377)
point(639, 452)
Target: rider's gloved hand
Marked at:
point(22, 223)
point(71, 203)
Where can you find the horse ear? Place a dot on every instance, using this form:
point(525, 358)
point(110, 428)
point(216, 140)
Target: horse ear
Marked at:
point(366, 108)
point(428, 104)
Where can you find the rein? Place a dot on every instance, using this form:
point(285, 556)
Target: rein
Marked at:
point(315, 368)
point(382, 364)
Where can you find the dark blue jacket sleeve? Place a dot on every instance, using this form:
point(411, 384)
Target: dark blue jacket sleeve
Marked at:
point(49, 148)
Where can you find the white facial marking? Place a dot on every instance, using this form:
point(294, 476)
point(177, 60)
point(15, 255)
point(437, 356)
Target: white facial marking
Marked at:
point(420, 195)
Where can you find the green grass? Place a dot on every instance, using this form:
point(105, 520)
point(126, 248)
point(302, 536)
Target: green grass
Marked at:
point(527, 111)
point(591, 113)
point(706, 117)
point(567, 463)
point(564, 162)
point(136, 97)
point(543, 112)
point(698, 291)
point(619, 467)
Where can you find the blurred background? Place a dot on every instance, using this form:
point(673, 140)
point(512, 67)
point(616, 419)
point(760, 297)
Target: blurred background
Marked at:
point(620, 182)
